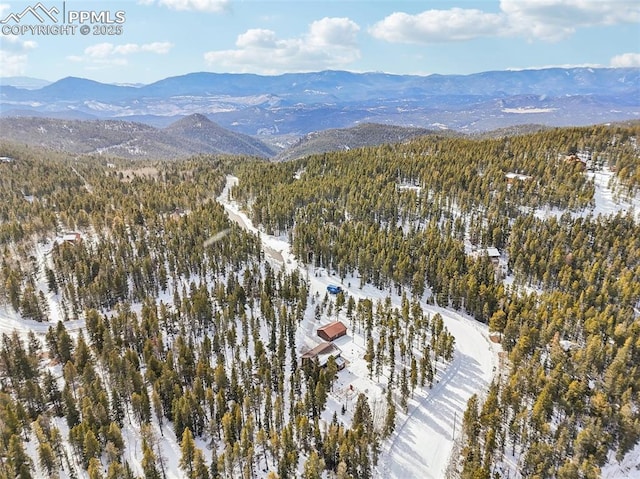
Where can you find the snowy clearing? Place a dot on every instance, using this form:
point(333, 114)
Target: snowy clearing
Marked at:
point(607, 201)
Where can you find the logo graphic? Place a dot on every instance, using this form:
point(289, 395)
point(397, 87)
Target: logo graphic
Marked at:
point(33, 10)
point(40, 20)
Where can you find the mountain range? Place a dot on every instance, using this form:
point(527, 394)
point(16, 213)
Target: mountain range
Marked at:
point(188, 136)
point(366, 134)
point(299, 103)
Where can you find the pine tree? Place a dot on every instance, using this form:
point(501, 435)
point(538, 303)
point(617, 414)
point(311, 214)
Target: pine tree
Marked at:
point(313, 466)
point(413, 373)
point(157, 408)
point(404, 389)
point(370, 356)
point(70, 409)
point(200, 470)
point(52, 284)
point(116, 471)
point(90, 447)
point(187, 452)
point(47, 459)
point(19, 461)
point(362, 417)
point(390, 418)
point(149, 463)
point(113, 435)
point(95, 468)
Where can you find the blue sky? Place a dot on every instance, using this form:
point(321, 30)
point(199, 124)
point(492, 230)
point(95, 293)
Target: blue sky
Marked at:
point(162, 38)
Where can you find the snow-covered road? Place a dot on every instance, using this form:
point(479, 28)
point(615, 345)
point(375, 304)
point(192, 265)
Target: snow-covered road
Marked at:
point(423, 440)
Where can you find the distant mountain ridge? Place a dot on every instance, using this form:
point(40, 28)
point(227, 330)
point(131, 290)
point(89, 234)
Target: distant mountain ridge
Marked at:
point(299, 103)
point(189, 136)
point(368, 134)
point(28, 83)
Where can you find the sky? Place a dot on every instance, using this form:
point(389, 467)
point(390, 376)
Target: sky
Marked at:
point(142, 41)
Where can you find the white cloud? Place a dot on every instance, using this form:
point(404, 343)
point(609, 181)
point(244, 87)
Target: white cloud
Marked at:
point(257, 38)
point(14, 54)
point(109, 54)
point(212, 6)
point(13, 64)
point(438, 26)
point(626, 60)
point(333, 31)
point(161, 48)
point(103, 50)
point(329, 43)
point(548, 20)
point(553, 20)
point(573, 12)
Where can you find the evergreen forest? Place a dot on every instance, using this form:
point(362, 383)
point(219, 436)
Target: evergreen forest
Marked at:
point(164, 321)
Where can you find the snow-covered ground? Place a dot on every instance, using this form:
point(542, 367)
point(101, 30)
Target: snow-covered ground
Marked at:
point(421, 444)
point(627, 468)
point(11, 320)
point(423, 440)
point(607, 202)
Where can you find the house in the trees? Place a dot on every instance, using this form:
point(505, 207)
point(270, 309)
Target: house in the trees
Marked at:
point(322, 353)
point(581, 159)
point(494, 255)
point(73, 237)
point(512, 178)
point(332, 331)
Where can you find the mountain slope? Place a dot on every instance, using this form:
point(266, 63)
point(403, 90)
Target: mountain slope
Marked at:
point(208, 136)
point(369, 134)
point(129, 139)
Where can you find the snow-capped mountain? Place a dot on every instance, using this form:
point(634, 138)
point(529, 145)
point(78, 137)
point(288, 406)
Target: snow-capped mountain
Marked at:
point(299, 103)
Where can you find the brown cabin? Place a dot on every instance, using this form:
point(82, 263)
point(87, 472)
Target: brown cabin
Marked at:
point(332, 331)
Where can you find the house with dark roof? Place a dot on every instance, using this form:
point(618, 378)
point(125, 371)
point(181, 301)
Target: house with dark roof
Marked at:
point(322, 353)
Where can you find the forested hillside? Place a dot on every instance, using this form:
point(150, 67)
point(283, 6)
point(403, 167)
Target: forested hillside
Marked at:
point(184, 361)
point(155, 338)
point(566, 304)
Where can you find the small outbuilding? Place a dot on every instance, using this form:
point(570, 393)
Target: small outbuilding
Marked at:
point(332, 331)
